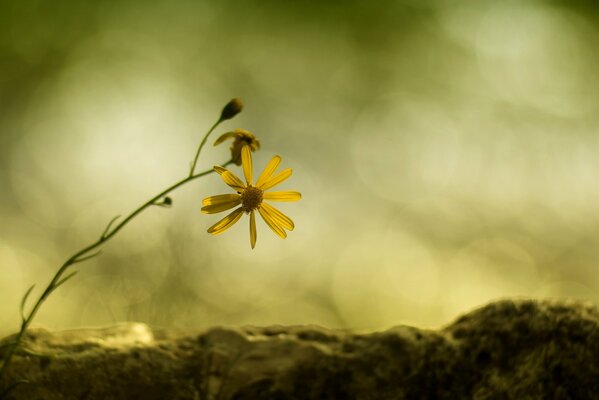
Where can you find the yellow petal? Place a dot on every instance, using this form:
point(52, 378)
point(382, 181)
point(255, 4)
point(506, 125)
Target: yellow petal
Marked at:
point(246, 161)
point(282, 196)
point(220, 207)
point(230, 178)
point(221, 198)
point(224, 137)
point(269, 170)
point(255, 144)
point(279, 217)
point(226, 222)
point(253, 234)
point(272, 223)
point(275, 180)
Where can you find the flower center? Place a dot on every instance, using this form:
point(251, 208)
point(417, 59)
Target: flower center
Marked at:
point(251, 198)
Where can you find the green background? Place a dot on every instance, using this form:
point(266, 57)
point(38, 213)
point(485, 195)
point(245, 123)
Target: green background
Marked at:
point(447, 153)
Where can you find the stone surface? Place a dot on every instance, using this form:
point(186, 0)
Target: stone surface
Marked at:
point(505, 350)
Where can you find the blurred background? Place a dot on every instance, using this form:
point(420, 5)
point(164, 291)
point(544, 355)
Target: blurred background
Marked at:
point(447, 153)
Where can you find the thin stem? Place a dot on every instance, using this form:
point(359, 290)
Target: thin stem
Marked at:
point(81, 256)
point(195, 160)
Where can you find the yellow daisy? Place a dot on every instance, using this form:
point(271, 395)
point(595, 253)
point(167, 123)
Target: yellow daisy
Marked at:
point(242, 138)
point(251, 198)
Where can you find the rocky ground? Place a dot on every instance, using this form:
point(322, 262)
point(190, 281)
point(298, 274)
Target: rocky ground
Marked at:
point(505, 350)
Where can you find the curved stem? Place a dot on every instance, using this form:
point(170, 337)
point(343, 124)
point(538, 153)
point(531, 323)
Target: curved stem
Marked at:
point(81, 256)
point(195, 160)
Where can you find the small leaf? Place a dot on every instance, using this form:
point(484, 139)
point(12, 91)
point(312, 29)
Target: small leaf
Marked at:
point(165, 202)
point(78, 260)
point(24, 301)
point(63, 280)
point(108, 226)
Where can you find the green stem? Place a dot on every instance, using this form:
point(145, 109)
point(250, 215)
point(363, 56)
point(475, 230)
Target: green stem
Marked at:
point(195, 159)
point(77, 257)
point(83, 255)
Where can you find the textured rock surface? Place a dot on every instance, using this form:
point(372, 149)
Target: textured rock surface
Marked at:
point(506, 350)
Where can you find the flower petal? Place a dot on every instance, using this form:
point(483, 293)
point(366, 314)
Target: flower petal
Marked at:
point(220, 207)
point(253, 234)
point(275, 180)
point(224, 137)
point(279, 217)
point(230, 178)
point(221, 198)
point(269, 170)
point(272, 223)
point(226, 222)
point(282, 196)
point(246, 161)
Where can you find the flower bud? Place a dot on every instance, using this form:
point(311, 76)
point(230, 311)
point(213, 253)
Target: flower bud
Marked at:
point(165, 202)
point(241, 138)
point(232, 108)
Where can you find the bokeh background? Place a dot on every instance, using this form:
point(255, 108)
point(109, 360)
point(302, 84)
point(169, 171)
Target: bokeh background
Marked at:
point(447, 152)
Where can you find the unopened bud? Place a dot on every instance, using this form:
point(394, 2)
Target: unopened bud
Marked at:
point(165, 202)
point(232, 108)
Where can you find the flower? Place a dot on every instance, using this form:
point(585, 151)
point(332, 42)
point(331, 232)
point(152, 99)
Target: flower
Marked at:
point(231, 109)
point(251, 198)
point(242, 138)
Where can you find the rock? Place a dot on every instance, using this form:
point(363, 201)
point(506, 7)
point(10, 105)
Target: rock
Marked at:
point(505, 350)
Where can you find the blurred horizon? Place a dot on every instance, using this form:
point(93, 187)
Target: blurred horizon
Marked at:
point(447, 153)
